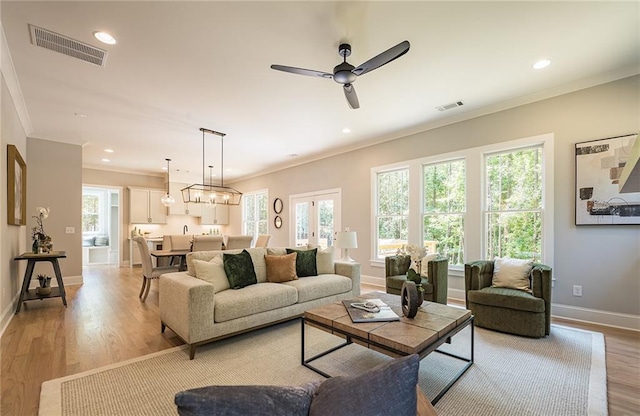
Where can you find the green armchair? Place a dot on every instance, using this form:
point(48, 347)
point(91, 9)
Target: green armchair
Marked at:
point(435, 285)
point(509, 310)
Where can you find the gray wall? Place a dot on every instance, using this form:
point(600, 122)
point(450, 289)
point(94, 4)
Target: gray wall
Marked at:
point(55, 181)
point(603, 259)
point(12, 237)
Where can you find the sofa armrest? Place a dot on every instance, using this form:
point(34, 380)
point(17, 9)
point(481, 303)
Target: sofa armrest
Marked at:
point(350, 270)
point(186, 305)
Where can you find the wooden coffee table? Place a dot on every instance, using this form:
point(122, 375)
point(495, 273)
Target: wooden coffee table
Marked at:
point(434, 325)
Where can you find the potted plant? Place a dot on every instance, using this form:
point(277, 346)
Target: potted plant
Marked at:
point(45, 285)
point(41, 241)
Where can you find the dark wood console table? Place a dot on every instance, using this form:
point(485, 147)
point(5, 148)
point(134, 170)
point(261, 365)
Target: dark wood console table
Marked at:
point(32, 259)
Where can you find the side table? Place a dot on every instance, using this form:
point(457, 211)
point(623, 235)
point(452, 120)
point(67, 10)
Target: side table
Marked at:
point(32, 259)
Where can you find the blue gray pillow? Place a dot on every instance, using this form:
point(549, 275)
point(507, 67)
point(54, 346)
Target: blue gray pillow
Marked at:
point(239, 269)
point(246, 400)
point(305, 262)
point(388, 389)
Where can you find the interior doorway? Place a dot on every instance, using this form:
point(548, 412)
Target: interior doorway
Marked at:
point(316, 218)
point(101, 219)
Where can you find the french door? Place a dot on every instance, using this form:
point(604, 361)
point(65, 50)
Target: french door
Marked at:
point(315, 218)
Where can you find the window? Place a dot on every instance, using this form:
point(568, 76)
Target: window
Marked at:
point(471, 204)
point(513, 212)
point(93, 221)
point(392, 190)
point(255, 214)
point(444, 209)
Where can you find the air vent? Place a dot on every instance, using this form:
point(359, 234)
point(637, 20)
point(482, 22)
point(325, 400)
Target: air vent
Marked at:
point(67, 46)
point(450, 106)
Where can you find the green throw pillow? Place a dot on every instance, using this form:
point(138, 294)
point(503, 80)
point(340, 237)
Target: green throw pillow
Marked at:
point(239, 269)
point(305, 262)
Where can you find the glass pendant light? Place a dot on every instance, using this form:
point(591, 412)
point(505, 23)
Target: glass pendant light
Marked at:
point(168, 200)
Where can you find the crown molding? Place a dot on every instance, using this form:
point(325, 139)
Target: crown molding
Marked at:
point(11, 78)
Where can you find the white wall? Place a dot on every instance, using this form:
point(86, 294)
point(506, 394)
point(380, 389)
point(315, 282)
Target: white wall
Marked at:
point(603, 259)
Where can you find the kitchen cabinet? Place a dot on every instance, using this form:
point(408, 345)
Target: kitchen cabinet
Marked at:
point(217, 214)
point(145, 206)
point(181, 208)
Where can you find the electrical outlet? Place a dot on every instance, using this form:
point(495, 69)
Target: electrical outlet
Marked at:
point(577, 290)
point(71, 230)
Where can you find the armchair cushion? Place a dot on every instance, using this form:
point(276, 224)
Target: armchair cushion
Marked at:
point(506, 298)
point(512, 273)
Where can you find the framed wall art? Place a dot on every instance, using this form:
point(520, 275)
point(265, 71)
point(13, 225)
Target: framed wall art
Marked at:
point(606, 170)
point(16, 187)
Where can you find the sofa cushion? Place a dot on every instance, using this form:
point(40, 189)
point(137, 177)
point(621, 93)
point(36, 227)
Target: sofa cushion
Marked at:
point(396, 282)
point(199, 255)
point(246, 400)
point(232, 304)
point(305, 262)
point(324, 261)
point(316, 287)
point(281, 268)
point(213, 272)
point(506, 298)
point(512, 273)
point(239, 269)
point(394, 384)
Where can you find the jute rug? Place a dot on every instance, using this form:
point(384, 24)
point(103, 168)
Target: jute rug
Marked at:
point(563, 374)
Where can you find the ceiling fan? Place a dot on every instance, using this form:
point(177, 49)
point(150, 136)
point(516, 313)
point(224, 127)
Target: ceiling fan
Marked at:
point(346, 74)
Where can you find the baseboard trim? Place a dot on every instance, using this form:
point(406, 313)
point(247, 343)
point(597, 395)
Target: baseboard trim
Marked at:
point(8, 314)
point(372, 280)
point(595, 316)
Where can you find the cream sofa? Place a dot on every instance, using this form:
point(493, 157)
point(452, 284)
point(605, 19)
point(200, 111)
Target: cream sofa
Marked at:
point(200, 313)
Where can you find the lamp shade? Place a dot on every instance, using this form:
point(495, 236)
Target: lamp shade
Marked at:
point(346, 239)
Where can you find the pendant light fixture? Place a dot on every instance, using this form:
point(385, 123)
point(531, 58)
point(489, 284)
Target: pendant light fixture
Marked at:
point(168, 200)
point(203, 193)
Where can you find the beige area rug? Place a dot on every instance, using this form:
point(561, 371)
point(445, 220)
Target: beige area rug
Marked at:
point(563, 374)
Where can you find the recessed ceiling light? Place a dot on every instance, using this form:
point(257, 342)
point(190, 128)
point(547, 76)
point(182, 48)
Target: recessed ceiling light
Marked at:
point(80, 115)
point(106, 160)
point(104, 37)
point(108, 150)
point(346, 130)
point(543, 63)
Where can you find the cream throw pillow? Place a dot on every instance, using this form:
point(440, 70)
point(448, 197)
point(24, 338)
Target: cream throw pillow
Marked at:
point(512, 273)
point(324, 261)
point(281, 268)
point(213, 272)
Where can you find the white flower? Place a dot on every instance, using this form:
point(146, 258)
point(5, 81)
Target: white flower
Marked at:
point(44, 212)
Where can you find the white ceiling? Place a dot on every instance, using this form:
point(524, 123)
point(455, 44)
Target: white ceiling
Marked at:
point(179, 66)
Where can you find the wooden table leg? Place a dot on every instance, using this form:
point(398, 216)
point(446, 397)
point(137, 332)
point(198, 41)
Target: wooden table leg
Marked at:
point(56, 269)
point(28, 273)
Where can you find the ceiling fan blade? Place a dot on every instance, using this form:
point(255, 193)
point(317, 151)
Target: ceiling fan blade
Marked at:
point(352, 97)
point(300, 71)
point(383, 58)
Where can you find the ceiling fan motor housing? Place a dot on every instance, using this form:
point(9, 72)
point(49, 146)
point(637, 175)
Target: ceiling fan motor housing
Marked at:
point(342, 73)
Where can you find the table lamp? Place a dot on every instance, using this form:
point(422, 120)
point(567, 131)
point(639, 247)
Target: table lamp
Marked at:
point(346, 240)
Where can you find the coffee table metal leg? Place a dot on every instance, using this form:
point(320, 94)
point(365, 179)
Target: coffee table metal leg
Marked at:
point(469, 362)
point(306, 362)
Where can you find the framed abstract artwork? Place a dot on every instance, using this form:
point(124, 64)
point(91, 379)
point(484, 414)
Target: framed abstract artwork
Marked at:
point(16, 187)
point(607, 178)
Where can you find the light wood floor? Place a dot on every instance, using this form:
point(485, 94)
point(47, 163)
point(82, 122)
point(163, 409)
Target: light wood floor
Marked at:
point(106, 323)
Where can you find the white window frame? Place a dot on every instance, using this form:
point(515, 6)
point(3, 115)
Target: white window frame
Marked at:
point(374, 213)
point(475, 243)
point(256, 228)
point(103, 220)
